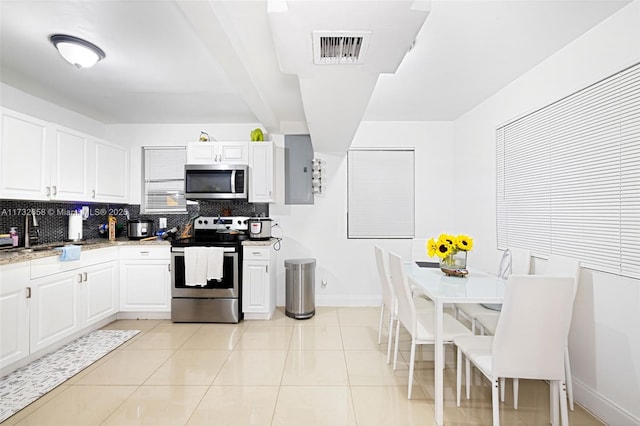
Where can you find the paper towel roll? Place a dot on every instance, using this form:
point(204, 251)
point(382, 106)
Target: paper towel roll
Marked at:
point(75, 226)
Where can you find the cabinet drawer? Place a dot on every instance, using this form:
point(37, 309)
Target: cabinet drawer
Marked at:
point(52, 265)
point(142, 252)
point(256, 253)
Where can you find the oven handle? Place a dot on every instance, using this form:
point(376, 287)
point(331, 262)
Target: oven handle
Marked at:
point(181, 249)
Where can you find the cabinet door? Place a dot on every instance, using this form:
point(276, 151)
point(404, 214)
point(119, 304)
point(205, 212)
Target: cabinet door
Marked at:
point(55, 309)
point(233, 152)
point(261, 172)
point(111, 174)
point(145, 286)
point(255, 290)
point(24, 162)
point(99, 292)
point(202, 153)
point(70, 173)
point(14, 313)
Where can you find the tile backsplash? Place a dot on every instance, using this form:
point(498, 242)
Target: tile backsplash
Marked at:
point(52, 217)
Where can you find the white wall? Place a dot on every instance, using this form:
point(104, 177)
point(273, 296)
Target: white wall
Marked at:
point(135, 136)
point(20, 101)
point(320, 230)
point(605, 334)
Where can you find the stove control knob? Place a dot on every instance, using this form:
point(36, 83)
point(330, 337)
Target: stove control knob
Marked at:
point(199, 222)
point(206, 222)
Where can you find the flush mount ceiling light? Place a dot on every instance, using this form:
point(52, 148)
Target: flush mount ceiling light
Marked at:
point(77, 51)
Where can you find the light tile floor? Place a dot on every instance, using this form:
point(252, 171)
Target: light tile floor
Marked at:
point(327, 370)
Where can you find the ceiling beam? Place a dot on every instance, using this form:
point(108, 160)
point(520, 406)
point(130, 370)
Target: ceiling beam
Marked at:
point(212, 23)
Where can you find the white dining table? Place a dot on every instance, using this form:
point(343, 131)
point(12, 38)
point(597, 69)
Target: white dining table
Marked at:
point(476, 287)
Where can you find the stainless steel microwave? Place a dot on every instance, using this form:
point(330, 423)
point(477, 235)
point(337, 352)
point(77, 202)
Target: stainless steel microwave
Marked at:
point(216, 181)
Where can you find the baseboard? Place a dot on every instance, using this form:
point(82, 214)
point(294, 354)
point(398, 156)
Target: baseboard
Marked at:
point(347, 300)
point(144, 315)
point(601, 407)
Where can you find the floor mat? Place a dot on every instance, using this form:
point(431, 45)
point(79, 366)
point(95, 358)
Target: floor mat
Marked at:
point(27, 384)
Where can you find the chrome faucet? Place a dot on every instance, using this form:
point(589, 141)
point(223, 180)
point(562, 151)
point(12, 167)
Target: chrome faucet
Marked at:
point(29, 229)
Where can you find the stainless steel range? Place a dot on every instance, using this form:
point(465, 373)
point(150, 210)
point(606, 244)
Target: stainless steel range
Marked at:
point(219, 300)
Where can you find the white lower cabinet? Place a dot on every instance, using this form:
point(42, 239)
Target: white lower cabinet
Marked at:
point(145, 279)
point(44, 302)
point(54, 309)
point(258, 282)
point(66, 302)
point(14, 312)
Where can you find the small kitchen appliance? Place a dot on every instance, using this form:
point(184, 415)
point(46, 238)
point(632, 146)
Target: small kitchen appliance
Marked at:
point(139, 228)
point(259, 228)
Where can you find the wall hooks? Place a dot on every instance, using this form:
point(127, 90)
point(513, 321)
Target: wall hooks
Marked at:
point(317, 175)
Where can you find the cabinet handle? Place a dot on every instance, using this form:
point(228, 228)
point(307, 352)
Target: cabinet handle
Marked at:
point(48, 191)
point(169, 267)
point(144, 253)
point(79, 278)
point(84, 275)
point(267, 269)
point(257, 253)
point(28, 292)
point(55, 190)
point(93, 193)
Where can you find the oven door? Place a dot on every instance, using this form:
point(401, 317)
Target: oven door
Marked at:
point(228, 287)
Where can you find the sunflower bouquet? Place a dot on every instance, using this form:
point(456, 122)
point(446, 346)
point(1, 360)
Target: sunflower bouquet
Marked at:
point(448, 244)
point(447, 247)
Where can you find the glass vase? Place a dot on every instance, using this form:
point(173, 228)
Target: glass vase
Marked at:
point(455, 264)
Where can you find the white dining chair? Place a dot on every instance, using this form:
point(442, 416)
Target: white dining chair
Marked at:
point(419, 324)
point(514, 260)
point(566, 266)
point(556, 266)
point(524, 345)
point(389, 301)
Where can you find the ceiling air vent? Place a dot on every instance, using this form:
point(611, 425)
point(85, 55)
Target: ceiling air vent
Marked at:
point(340, 47)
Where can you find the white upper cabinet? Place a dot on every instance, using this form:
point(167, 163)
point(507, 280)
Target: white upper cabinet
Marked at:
point(218, 152)
point(24, 165)
point(111, 173)
point(261, 176)
point(45, 161)
point(70, 179)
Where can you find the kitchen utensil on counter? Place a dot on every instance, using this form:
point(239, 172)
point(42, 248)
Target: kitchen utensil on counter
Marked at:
point(103, 230)
point(139, 228)
point(259, 228)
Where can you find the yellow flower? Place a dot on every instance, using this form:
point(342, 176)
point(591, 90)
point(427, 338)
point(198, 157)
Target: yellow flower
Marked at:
point(448, 244)
point(464, 242)
point(432, 247)
point(444, 245)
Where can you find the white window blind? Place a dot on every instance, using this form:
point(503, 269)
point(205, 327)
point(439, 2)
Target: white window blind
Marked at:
point(163, 180)
point(568, 177)
point(381, 193)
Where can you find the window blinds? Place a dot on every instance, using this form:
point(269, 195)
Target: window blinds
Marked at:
point(163, 179)
point(568, 177)
point(381, 193)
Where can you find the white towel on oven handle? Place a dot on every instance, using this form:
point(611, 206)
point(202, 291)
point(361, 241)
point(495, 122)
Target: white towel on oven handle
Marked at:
point(215, 263)
point(202, 264)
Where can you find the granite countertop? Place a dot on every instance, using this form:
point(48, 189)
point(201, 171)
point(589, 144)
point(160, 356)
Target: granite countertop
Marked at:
point(15, 255)
point(259, 242)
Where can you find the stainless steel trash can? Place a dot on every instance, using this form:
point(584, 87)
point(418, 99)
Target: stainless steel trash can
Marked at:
point(300, 288)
